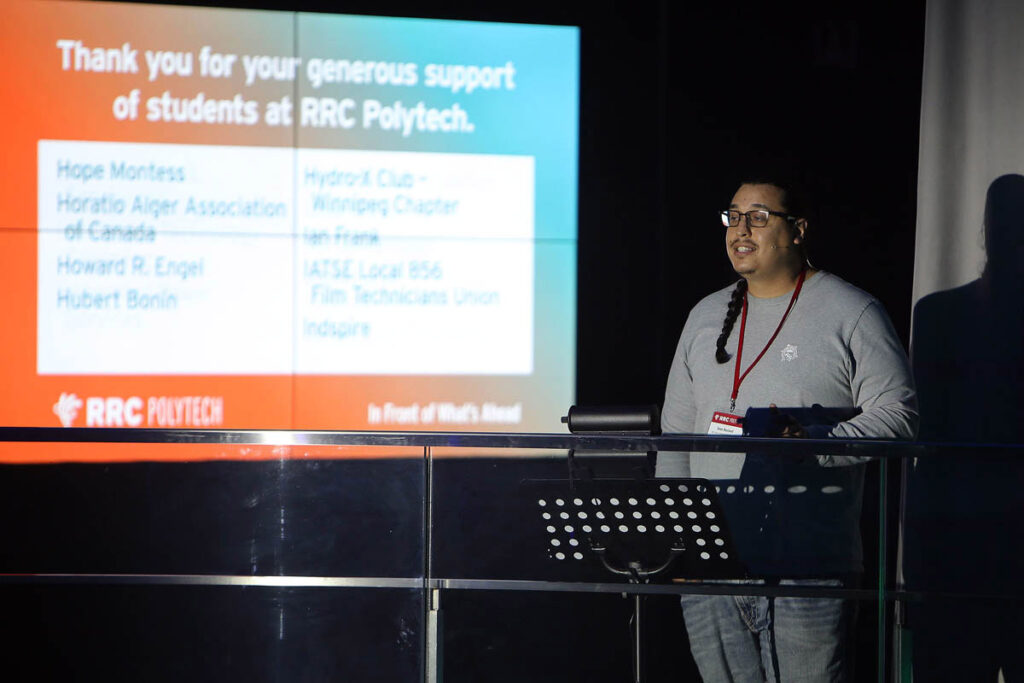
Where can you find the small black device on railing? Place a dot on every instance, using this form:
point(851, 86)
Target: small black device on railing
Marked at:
point(614, 420)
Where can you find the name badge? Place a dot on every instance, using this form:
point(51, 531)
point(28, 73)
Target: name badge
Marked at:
point(724, 424)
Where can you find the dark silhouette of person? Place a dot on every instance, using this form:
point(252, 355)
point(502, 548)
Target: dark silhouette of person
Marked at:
point(964, 515)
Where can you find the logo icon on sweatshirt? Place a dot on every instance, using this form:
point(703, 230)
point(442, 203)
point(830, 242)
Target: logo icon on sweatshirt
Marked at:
point(789, 353)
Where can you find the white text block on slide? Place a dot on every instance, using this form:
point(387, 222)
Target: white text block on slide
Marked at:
point(164, 259)
point(197, 259)
point(414, 263)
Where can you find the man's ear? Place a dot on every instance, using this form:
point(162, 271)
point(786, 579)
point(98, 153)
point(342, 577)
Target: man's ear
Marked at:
point(801, 228)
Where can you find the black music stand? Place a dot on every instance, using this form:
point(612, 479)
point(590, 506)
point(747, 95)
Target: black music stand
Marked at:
point(637, 527)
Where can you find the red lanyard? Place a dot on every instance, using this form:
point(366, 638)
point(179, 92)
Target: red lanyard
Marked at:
point(737, 378)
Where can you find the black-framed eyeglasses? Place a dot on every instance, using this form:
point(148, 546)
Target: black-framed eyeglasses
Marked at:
point(756, 218)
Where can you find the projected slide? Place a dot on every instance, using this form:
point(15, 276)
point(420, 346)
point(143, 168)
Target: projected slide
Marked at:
point(244, 219)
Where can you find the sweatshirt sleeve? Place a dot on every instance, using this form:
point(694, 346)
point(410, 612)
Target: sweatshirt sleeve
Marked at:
point(880, 382)
point(678, 413)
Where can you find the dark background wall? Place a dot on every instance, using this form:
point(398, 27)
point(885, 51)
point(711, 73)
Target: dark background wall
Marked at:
point(830, 90)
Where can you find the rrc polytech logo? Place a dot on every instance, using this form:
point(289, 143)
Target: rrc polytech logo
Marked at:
point(66, 409)
point(166, 412)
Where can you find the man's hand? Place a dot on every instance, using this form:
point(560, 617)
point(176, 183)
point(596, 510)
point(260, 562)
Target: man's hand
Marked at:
point(785, 425)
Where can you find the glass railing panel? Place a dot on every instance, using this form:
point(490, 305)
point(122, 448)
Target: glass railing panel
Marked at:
point(185, 508)
point(821, 535)
point(153, 632)
point(263, 555)
point(280, 516)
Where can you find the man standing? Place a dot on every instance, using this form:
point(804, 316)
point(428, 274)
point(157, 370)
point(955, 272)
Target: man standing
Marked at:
point(785, 334)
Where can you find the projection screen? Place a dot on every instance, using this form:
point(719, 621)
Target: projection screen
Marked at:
point(221, 218)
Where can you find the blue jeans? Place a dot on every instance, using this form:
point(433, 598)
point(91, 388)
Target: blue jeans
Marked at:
point(753, 639)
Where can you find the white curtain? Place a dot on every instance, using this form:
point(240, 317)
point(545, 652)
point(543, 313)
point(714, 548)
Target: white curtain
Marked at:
point(972, 132)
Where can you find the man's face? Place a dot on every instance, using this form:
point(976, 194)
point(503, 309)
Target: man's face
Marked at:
point(765, 252)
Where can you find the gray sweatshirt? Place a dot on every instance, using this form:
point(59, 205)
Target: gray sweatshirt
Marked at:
point(837, 349)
